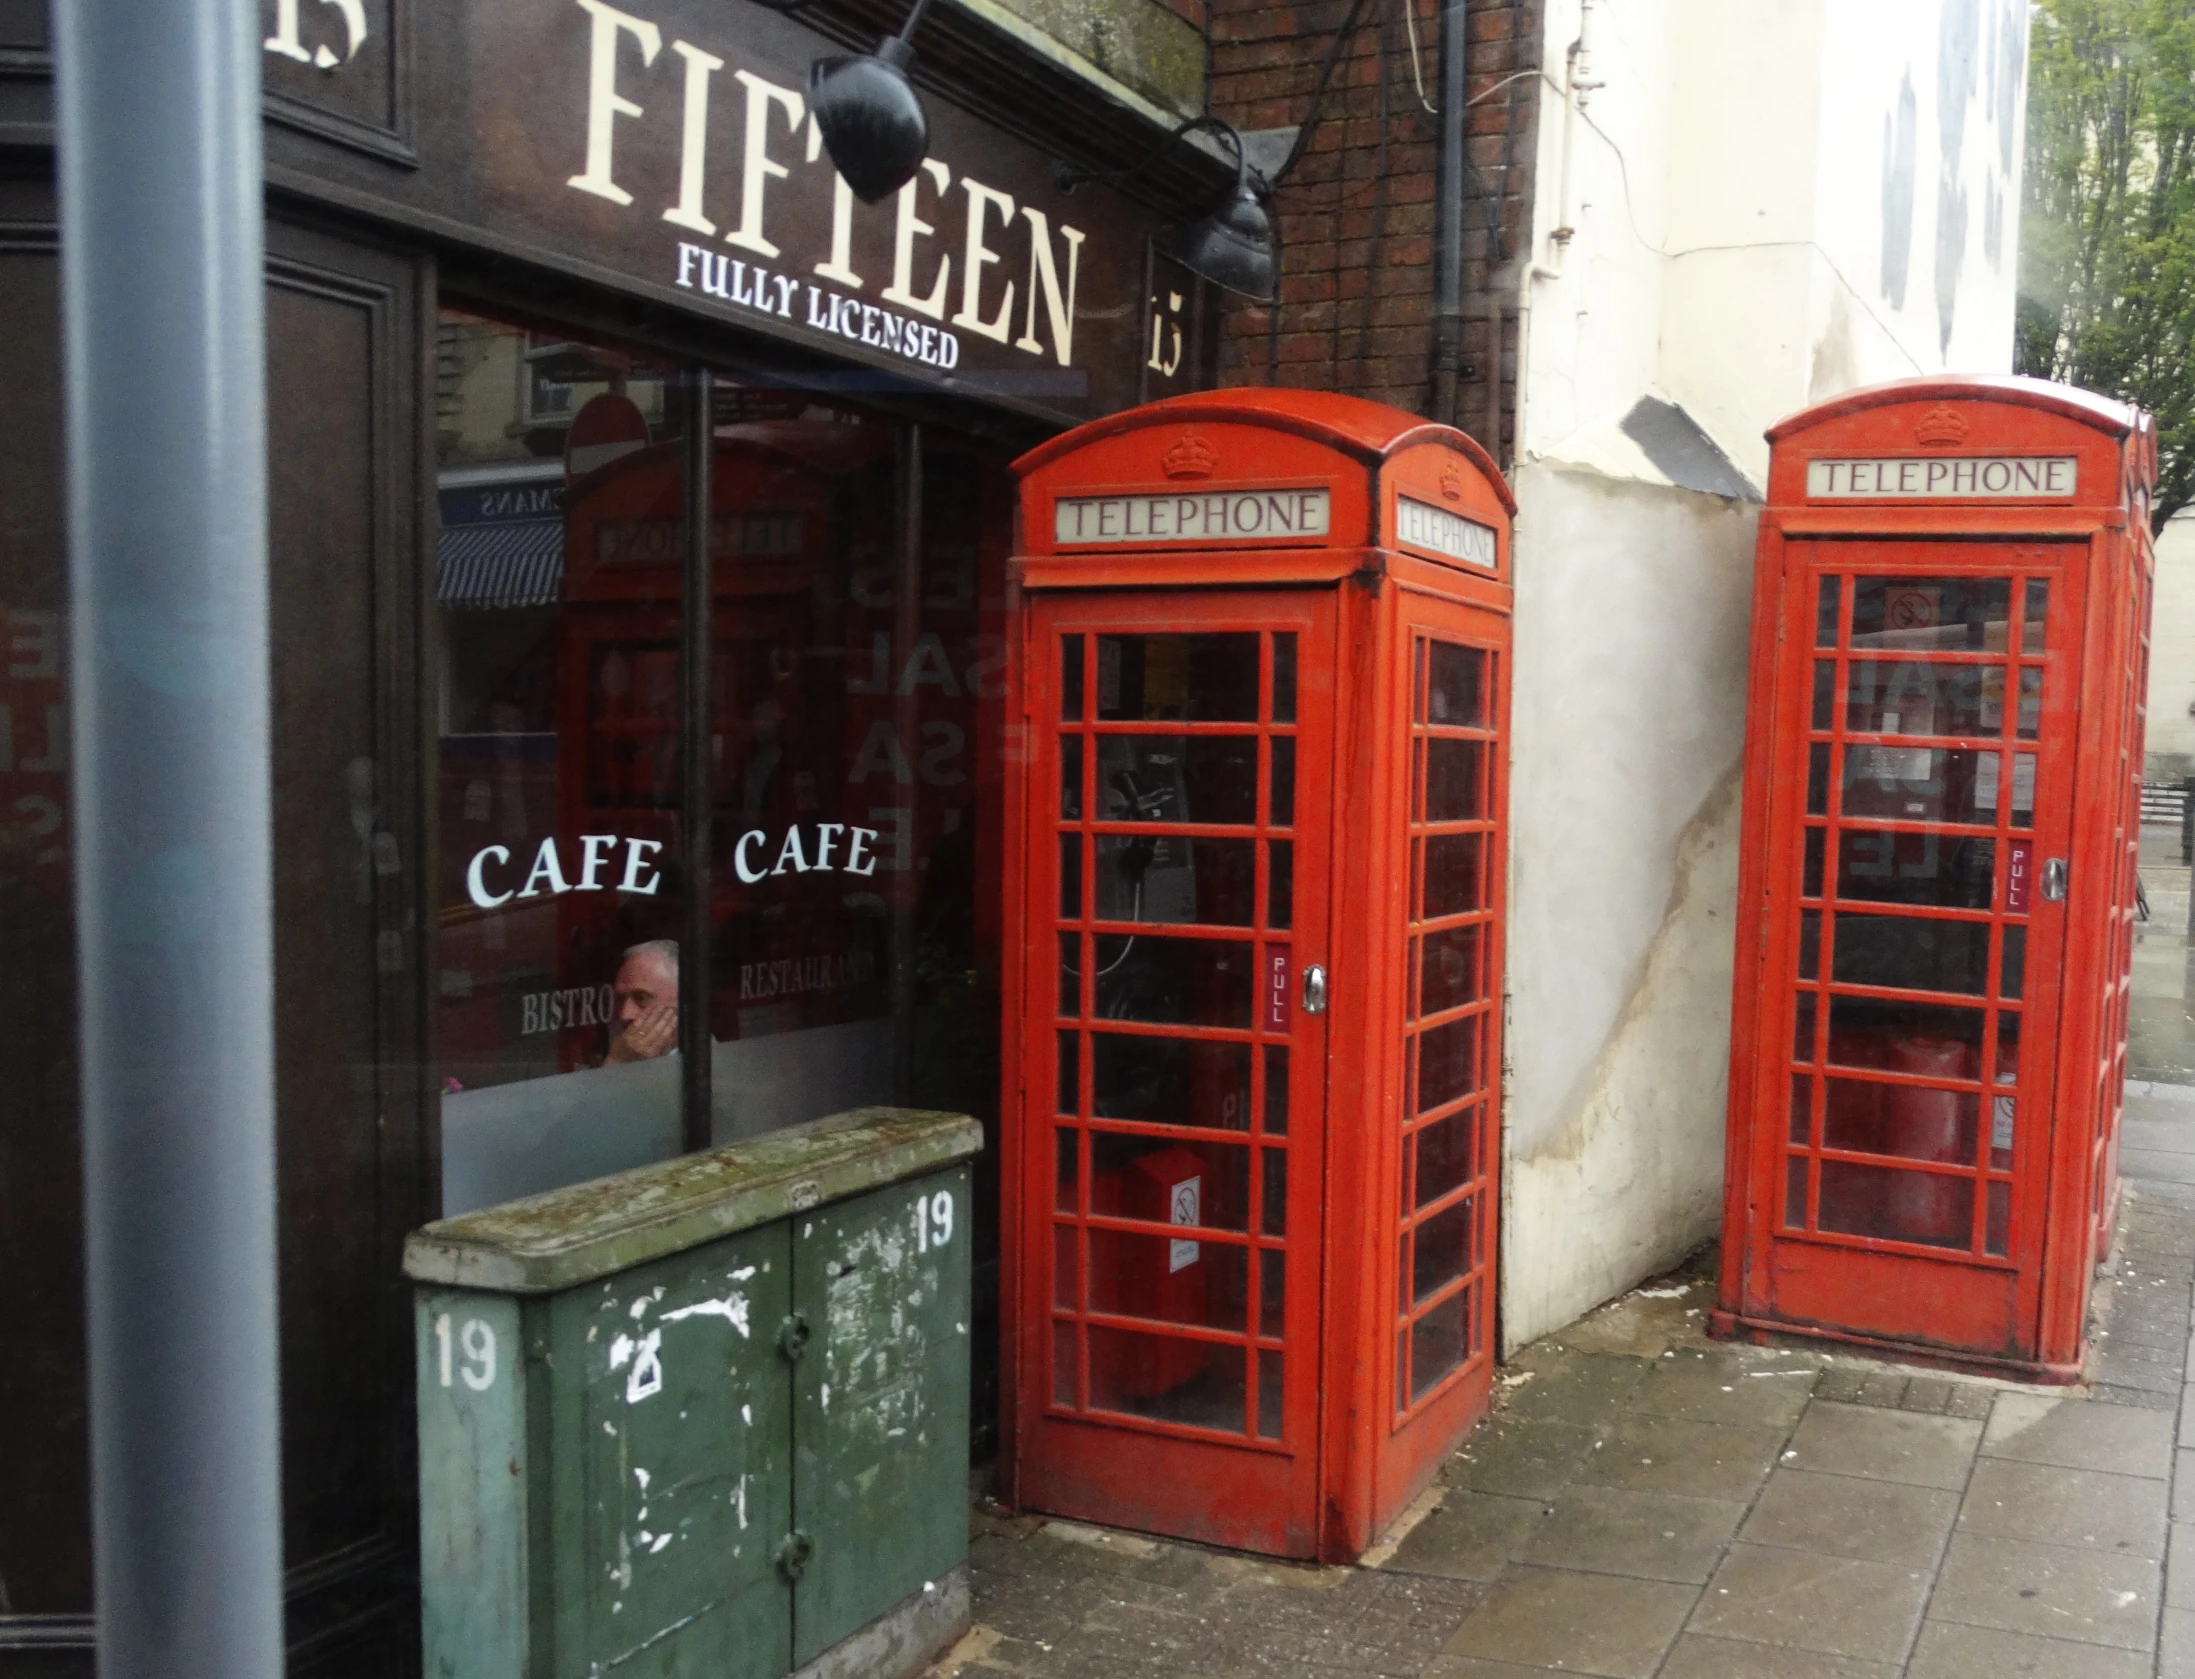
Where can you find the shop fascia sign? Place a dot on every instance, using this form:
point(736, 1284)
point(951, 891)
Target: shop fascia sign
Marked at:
point(966, 258)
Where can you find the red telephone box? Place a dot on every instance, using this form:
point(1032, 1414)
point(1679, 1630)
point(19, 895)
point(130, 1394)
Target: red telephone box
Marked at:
point(1253, 1008)
point(1936, 894)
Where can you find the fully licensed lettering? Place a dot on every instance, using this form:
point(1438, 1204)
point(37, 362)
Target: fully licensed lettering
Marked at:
point(1011, 273)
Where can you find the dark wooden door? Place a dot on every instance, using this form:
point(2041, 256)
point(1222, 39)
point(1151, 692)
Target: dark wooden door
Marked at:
point(344, 376)
point(344, 380)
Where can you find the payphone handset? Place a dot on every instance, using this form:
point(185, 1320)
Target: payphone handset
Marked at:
point(1144, 879)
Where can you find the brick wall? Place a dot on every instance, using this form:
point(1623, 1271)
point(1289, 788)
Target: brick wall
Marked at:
point(1356, 213)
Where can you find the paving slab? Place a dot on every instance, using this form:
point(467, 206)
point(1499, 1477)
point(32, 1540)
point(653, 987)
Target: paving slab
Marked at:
point(1843, 1382)
point(2124, 1364)
point(2054, 1591)
point(2157, 1164)
point(1580, 1623)
point(1469, 1536)
point(2180, 1567)
point(1647, 1535)
point(1970, 1400)
point(1947, 1651)
point(2039, 1428)
point(2165, 1136)
point(1846, 1516)
point(1928, 1393)
point(1588, 1388)
point(1885, 1445)
point(2081, 1507)
point(1670, 1454)
point(1472, 1667)
point(1696, 1656)
point(1521, 1459)
point(2183, 1486)
point(2176, 1645)
point(1725, 1388)
point(1832, 1604)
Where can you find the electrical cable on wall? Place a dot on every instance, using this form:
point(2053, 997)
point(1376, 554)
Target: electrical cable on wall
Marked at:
point(1417, 63)
point(1304, 132)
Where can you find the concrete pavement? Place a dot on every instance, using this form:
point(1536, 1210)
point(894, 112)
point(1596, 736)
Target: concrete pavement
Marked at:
point(1646, 1504)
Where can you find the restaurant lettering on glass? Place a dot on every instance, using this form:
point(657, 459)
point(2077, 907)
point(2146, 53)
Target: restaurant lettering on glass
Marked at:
point(640, 518)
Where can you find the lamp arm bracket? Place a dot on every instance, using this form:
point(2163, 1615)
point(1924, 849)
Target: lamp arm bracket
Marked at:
point(1069, 176)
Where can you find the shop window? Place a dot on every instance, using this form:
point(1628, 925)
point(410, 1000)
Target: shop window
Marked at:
point(849, 656)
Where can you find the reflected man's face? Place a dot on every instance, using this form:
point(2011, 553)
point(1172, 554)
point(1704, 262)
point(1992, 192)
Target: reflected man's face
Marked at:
point(642, 982)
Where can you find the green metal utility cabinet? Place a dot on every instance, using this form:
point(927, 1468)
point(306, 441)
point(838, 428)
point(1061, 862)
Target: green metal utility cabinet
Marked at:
point(708, 1417)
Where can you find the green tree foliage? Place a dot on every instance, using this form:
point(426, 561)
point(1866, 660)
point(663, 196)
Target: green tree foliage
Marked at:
point(2107, 236)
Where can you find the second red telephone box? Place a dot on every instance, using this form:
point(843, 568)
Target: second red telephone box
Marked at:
point(1254, 966)
point(1936, 903)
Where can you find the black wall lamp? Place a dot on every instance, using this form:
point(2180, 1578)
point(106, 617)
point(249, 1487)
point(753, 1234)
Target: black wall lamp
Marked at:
point(1232, 245)
point(872, 123)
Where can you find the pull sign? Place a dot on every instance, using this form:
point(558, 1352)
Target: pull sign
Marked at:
point(2054, 880)
point(1277, 1008)
point(2019, 877)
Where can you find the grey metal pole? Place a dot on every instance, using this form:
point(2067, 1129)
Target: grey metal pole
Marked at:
point(163, 325)
point(697, 767)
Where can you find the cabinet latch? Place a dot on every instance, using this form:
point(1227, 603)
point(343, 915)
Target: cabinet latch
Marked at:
point(792, 1337)
point(793, 1554)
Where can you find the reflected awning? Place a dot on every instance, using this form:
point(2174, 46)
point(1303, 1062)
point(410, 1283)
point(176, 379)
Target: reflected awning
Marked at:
point(516, 562)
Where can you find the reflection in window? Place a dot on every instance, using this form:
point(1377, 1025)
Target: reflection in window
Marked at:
point(1905, 697)
point(1888, 865)
point(1179, 678)
point(1909, 953)
point(1920, 783)
point(1930, 614)
point(840, 906)
point(562, 868)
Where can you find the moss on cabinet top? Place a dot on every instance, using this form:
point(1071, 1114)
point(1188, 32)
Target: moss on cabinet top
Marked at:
point(573, 1235)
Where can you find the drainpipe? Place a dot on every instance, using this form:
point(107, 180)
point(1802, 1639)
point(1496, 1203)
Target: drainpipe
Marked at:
point(1448, 174)
point(1578, 87)
point(163, 341)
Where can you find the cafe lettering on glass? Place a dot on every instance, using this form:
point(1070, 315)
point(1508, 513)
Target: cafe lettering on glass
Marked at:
point(666, 144)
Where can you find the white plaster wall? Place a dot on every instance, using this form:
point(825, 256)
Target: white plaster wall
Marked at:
point(1748, 235)
point(1938, 279)
point(2170, 748)
point(1592, 305)
point(1736, 199)
point(1631, 630)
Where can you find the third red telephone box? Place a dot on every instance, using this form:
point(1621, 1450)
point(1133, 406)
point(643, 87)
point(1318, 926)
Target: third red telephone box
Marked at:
point(1936, 897)
point(1254, 965)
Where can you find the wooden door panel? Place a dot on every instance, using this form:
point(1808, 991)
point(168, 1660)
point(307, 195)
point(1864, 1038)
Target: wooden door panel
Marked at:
point(343, 554)
point(45, 1550)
